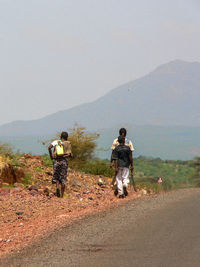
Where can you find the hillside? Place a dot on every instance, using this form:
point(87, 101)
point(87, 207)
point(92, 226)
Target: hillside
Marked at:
point(167, 96)
point(31, 209)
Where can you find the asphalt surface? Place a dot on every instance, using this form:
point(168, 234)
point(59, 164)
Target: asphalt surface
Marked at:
point(154, 231)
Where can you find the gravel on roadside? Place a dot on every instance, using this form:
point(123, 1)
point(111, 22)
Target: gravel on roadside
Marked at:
point(73, 244)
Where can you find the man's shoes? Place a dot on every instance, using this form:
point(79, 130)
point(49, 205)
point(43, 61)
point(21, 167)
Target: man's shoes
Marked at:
point(58, 192)
point(116, 192)
point(125, 191)
point(121, 196)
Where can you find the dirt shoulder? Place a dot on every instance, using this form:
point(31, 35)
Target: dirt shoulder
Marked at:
point(27, 214)
point(150, 231)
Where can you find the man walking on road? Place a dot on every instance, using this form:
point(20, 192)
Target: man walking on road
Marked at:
point(128, 143)
point(61, 151)
point(122, 155)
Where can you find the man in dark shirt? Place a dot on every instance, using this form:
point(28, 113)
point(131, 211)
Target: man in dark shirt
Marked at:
point(122, 155)
point(128, 142)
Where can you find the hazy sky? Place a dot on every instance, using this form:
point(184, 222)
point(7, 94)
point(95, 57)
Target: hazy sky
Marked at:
point(55, 54)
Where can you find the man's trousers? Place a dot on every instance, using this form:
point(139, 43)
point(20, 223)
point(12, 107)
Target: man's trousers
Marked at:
point(122, 179)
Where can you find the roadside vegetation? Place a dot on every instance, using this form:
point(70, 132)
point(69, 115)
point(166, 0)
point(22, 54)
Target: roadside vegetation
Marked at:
point(175, 173)
point(195, 175)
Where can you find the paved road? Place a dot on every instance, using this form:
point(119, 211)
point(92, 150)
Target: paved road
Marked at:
point(155, 231)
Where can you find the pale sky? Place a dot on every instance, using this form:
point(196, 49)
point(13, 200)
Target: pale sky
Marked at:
point(55, 54)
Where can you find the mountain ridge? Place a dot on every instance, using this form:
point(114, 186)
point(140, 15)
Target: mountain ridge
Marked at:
point(169, 95)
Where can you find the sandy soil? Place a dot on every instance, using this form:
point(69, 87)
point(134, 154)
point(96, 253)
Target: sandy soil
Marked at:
point(26, 215)
point(158, 230)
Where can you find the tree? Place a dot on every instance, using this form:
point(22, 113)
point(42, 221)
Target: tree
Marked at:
point(196, 174)
point(83, 146)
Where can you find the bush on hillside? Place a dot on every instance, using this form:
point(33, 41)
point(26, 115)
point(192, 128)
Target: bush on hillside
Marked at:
point(195, 176)
point(5, 149)
point(83, 146)
point(98, 167)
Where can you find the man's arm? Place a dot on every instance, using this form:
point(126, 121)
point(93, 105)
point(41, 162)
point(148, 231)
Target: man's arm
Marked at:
point(71, 154)
point(68, 155)
point(50, 151)
point(116, 166)
point(114, 145)
point(115, 159)
point(111, 160)
point(131, 146)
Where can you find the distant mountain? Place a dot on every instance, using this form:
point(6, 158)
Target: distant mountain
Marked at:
point(170, 95)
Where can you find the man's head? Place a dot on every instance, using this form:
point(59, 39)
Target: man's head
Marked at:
point(122, 132)
point(64, 136)
point(121, 140)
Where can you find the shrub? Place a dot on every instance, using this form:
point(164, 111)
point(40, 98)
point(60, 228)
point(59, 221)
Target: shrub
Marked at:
point(38, 169)
point(5, 149)
point(47, 161)
point(27, 179)
point(167, 185)
point(98, 167)
point(15, 163)
point(195, 176)
point(83, 146)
